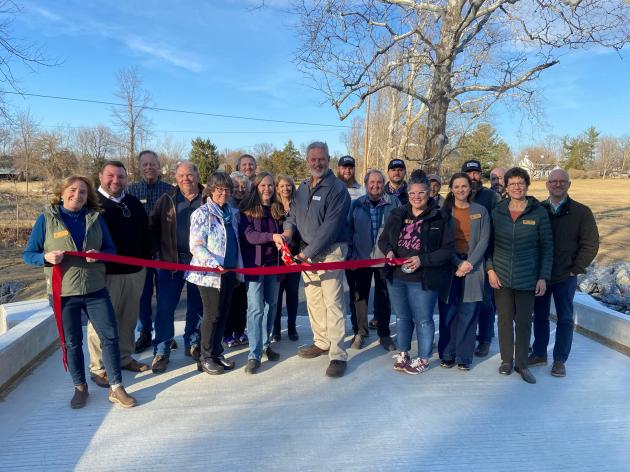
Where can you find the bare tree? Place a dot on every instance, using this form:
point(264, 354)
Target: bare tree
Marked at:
point(132, 117)
point(25, 134)
point(467, 54)
point(610, 156)
point(94, 146)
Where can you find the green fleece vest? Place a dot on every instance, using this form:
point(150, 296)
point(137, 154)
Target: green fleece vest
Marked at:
point(79, 277)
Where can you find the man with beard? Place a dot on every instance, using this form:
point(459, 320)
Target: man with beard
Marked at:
point(246, 165)
point(496, 181)
point(319, 213)
point(487, 198)
point(436, 185)
point(396, 172)
point(345, 173)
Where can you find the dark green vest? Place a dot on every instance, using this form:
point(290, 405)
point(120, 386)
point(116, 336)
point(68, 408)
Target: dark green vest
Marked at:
point(79, 277)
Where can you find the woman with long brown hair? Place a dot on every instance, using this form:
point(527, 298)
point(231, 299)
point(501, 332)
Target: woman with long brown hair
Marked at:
point(259, 230)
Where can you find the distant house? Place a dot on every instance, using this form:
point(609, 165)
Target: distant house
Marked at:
point(539, 170)
point(7, 168)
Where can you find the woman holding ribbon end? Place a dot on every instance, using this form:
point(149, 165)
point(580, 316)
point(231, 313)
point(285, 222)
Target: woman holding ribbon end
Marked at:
point(421, 234)
point(214, 243)
point(72, 223)
point(260, 228)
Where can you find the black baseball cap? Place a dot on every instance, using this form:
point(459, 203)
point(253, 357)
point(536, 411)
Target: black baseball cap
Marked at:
point(396, 164)
point(471, 165)
point(346, 161)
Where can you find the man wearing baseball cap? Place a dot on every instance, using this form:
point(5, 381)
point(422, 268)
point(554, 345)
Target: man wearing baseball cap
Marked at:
point(396, 172)
point(345, 173)
point(435, 185)
point(487, 198)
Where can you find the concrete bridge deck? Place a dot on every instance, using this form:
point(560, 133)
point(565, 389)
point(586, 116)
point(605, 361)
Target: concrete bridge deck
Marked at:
point(291, 417)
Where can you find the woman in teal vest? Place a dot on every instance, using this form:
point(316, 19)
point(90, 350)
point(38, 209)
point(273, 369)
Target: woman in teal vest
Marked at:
point(72, 223)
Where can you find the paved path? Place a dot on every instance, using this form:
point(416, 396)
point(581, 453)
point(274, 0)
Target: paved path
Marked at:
point(291, 417)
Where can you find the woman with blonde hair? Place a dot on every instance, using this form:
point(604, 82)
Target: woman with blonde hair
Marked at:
point(72, 223)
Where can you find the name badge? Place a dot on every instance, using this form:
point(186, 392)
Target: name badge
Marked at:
point(475, 216)
point(317, 198)
point(143, 200)
point(60, 234)
point(529, 222)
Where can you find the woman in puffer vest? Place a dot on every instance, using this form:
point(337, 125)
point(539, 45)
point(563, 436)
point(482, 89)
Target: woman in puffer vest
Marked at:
point(72, 223)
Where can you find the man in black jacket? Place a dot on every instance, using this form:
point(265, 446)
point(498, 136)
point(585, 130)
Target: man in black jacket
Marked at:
point(489, 199)
point(129, 226)
point(576, 242)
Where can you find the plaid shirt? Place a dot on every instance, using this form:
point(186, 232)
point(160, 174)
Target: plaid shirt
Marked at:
point(376, 217)
point(148, 194)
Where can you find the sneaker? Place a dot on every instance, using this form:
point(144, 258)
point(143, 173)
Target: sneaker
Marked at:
point(227, 364)
point(79, 399)
point(336, 369)
point(243, 339)
point(373, 324)
point(464, 367)
point(252, 366)
point(387, 343)
point(210, 366)
point(401, 361)
point(229, 341)
point(357, 342)
point(558, 369)
point(275, 337)
point(416, 366)
point(270, 354)
point(447, 364)
point(121, 397)
point(482, 349)
point(537, 360)
point(159, 364)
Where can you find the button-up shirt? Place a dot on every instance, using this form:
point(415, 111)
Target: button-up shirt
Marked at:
point(147, 193)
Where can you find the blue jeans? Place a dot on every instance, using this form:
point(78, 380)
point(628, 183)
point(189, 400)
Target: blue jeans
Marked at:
point(458, 323)
point(563, 293)
point(170, 285)
point(486, 311)
point(100, 312)
point(413, 306)
point(145, 321)
point(262, 297)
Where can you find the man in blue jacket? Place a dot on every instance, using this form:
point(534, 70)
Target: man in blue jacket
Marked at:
point(319, 213)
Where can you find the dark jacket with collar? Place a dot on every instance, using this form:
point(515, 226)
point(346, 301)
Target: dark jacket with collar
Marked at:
point(522, 251)
point(319, 214)
point(576, 239)
point(437, 244)
point(163, 226)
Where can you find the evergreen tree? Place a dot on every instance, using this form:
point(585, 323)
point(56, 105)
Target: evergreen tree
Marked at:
point(485, 145)
point(205, 156)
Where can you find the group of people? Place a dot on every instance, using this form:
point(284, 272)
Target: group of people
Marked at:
point(472, 253)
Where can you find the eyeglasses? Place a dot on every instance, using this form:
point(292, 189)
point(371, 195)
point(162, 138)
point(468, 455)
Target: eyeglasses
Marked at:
point(221, 190)
point(125, 210)
point(417, 194)
point(558, 182)
point(517, 184)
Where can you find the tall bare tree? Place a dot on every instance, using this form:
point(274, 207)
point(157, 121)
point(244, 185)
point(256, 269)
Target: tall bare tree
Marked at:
point(94, 146)
point(132, 117)
point(467, 54)
point(25, 133)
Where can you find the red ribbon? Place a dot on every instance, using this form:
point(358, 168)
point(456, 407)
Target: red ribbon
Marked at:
point(57, 275)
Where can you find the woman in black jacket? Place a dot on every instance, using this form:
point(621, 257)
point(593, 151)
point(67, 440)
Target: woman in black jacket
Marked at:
point(422, 234)
point(518, 268)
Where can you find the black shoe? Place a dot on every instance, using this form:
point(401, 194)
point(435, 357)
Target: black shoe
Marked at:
point(482, 349)
point(227, 365)
point(447, 364)
point(252, 366)
point(210, 366)
point(173, 344)
point(526, 375)
point(387, 343)
point(293, 335)
point(275, 337)
point(373, 324)
point(194, 352)
point(505, 368)
point(80, 397)
point(159, 364)
point(464, 367)
point(143, 342)
point(336, 369)
point(270, 354)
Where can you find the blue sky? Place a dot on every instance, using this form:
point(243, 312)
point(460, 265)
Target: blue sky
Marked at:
point(225, 57)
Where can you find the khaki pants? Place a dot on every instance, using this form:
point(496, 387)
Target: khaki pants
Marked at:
point(125, 291)
point(324, 301)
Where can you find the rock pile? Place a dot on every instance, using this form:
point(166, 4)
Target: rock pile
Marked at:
point(610, 284)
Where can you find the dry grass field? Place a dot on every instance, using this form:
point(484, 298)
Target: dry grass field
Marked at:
point(609, 200)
